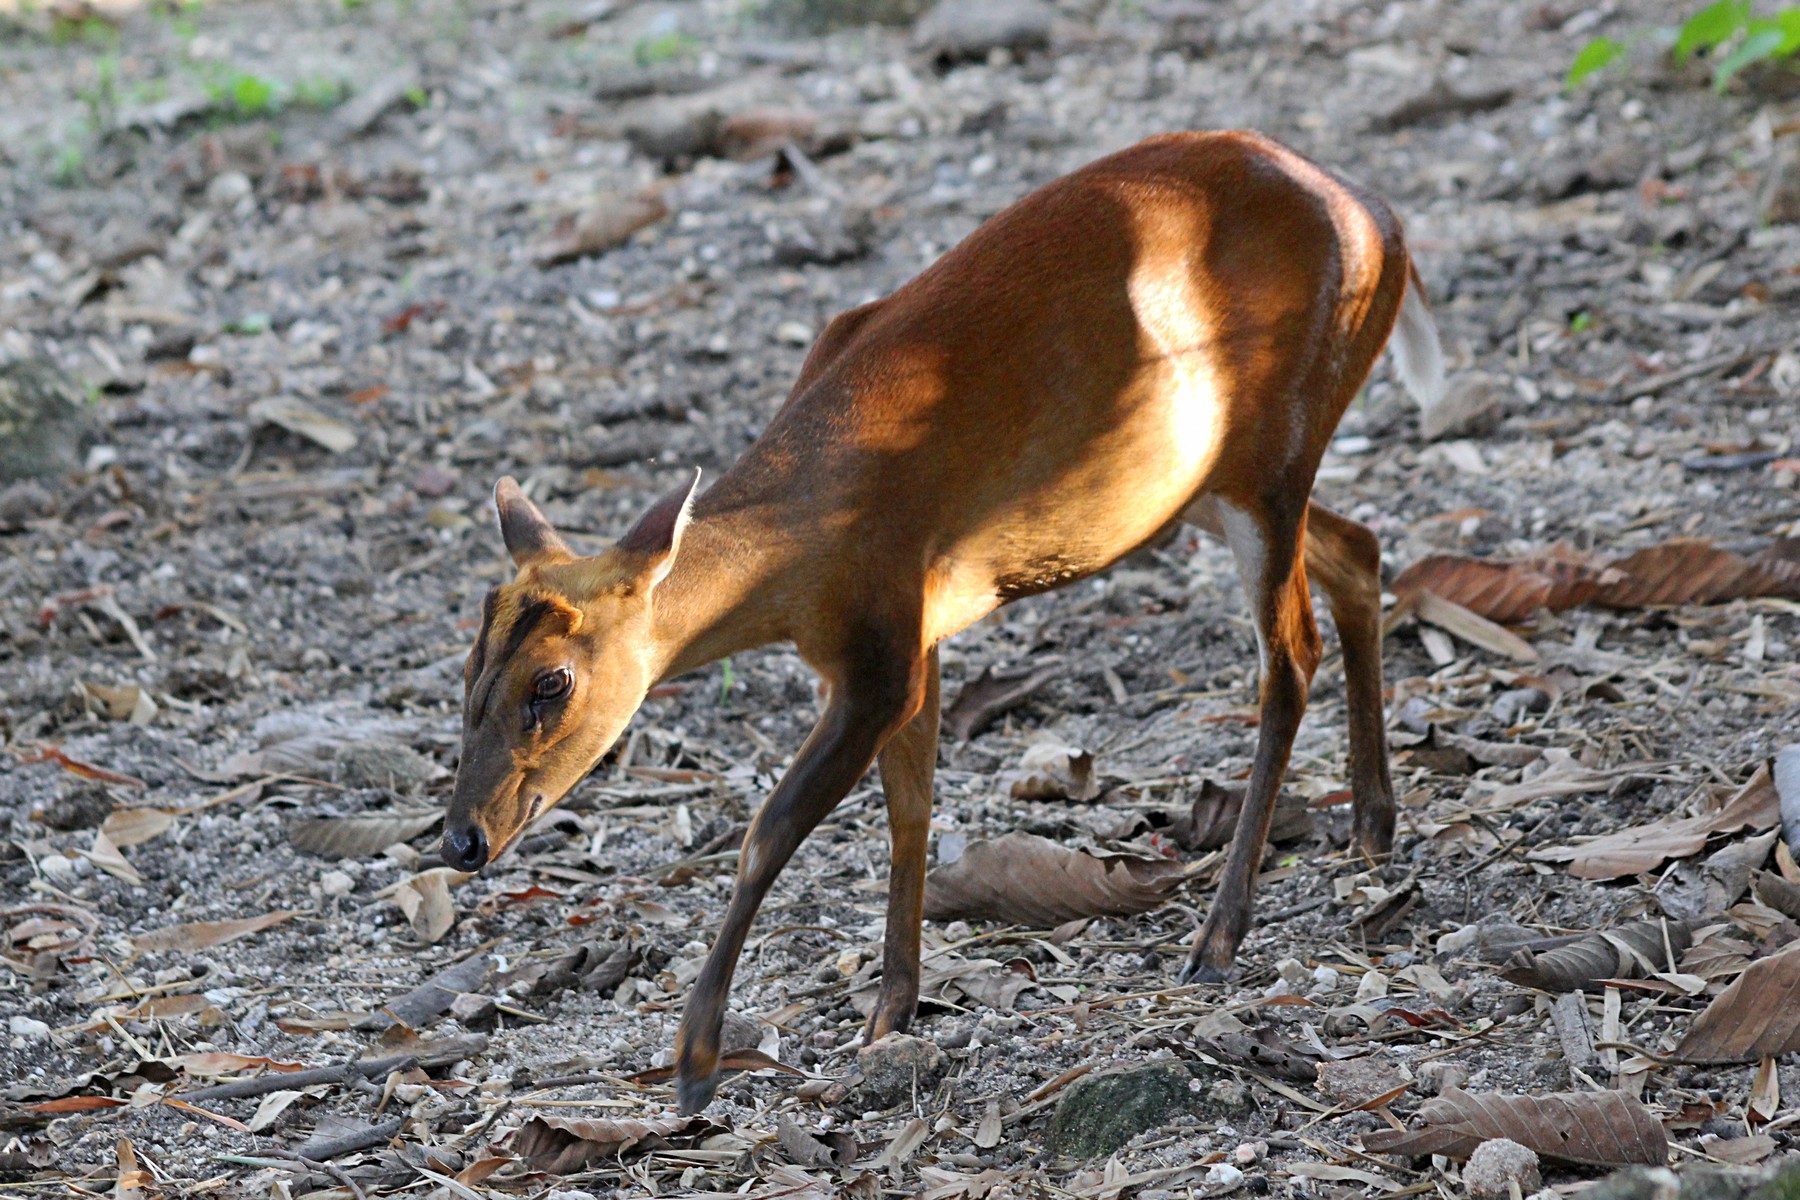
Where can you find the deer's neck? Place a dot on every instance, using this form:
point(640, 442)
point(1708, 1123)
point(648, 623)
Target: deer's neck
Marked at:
point(729, 589)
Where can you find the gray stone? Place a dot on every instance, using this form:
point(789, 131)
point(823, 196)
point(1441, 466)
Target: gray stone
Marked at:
point(897, 1068)
point(44, 420)
point(1496, 1165)
point(24, 502)
point(1103, 1111)
point(971, 29)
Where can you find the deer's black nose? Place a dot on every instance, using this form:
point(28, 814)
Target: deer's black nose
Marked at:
point(465, 849)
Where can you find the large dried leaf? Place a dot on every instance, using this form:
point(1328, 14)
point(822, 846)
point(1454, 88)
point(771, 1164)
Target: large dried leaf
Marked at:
point(127, 827)
point(992, 694)
point(1757, 1016)
point(947, 978)
point(1681, 571)
point(1052, 771)
point(1643, 848)
point(297, 416)
point(354, 837)
point(607, 223)
point(198, 935)
point(1694, 571)
point(426, 901)
point(1471, 627)
point(433, 998)
point(1600, 1129)
point(1027, 880)
point(1628, 952)
point(1504, 590)
point(1212, 820)
point(566, 1145)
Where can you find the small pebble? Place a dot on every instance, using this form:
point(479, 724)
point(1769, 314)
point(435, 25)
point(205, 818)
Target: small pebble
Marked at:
point(1224, 1175)
point(28, 1027)
point(1458, 940)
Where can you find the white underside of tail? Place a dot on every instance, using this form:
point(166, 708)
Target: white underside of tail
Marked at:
point(1418, 357)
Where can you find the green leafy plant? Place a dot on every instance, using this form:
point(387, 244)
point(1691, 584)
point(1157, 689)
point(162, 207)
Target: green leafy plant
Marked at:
point(664, 47)
point(1730, 31)
point(70, 166)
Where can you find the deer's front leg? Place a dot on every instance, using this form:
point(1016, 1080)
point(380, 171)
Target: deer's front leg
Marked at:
point(908, 766)
point(861, 714)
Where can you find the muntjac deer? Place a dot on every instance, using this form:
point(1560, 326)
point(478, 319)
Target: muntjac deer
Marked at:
point(1171, 333)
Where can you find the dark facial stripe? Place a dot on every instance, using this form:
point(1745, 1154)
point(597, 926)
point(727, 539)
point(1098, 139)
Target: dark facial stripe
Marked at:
point(530, 613)
point(478, 659)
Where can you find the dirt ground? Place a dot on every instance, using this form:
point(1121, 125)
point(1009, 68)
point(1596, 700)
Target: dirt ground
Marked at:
point(316, 268)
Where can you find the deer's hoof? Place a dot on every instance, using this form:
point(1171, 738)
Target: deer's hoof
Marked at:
point(693, 1095)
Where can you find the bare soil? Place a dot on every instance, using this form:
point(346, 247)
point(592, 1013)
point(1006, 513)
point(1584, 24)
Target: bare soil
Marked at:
point(188, 248)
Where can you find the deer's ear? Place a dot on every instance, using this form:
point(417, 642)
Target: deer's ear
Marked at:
point(527, 534)
point(652, 543)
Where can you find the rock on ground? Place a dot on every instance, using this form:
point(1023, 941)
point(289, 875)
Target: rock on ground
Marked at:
point(1101, 1112)
point(1497, 1164)
point(897, 1068)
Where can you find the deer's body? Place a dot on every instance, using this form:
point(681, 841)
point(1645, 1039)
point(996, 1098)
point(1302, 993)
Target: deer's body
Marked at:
point(1173, 331)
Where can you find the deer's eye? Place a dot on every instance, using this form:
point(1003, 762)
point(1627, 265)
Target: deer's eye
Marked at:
point(553, 685)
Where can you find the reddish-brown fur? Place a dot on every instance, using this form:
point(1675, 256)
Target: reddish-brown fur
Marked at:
point(1170, 333)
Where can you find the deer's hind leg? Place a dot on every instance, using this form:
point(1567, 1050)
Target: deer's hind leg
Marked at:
point(1343, 560)
point(1267, 544)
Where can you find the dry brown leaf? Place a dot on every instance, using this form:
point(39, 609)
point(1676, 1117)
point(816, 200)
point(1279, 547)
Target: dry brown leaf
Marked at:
point(1681, 571)
point(831, 1147)
point(1757, 1016)
point(1739, 1151)
point(987, 1134)
point(1212, 819)
point(1643, 848)
point(354, 837)
point(746, 1058)
point(128, 827)
point(565, 1145)
point(198, 935)
point(1505, 590)
point(106, 856)
point(1694, 571)
point(1052, 771)
point(607, 223)
point(425, 899)
point(133, 1179)
point(1023, 879)
point(270, 1108)
point(1628, 952)
point(1774, 891)
point(1471, 627)
point(912, 1135)
point(1717, 955)
point(1601, 1129)
point(990, 695)
point(130, 703)
point(297, 416)
point(211, 1064)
